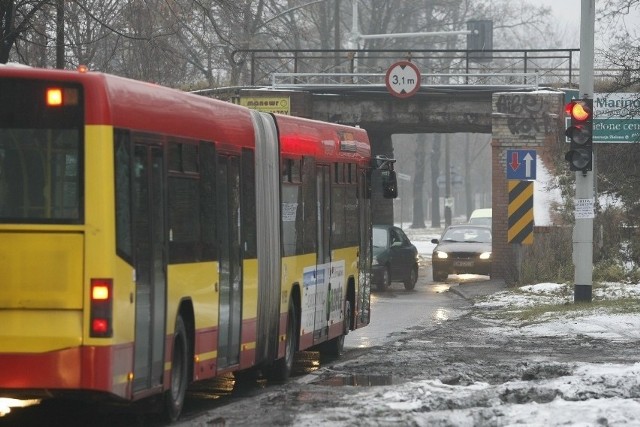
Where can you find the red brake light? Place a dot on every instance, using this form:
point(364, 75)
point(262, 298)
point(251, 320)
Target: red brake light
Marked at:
point(99, 326)
point(101, 299)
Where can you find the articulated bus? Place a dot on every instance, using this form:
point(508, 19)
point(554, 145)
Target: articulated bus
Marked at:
point(151, 237)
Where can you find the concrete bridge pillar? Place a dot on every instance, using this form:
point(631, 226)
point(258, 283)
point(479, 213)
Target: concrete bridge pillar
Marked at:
point(382, 209)
point(528, 120)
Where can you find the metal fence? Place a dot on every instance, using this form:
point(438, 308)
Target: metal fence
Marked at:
point(551, 67)
point(280, 80)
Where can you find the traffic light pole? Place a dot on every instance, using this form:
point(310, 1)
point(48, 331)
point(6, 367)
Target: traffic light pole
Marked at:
point(583, 229)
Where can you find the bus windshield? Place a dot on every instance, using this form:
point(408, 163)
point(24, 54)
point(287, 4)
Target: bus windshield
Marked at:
point(40, 175)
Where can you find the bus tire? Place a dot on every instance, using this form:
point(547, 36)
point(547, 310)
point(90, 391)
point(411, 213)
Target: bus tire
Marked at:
point(335, 346)
point(281, 368)
point(174, 396)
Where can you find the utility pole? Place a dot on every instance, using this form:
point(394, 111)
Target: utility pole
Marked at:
point(60, 34)
point(583, 229)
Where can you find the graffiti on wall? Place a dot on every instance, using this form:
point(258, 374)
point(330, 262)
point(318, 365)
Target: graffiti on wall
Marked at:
point(527, 114)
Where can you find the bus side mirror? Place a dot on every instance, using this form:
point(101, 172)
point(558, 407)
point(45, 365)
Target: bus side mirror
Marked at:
point(389, 184)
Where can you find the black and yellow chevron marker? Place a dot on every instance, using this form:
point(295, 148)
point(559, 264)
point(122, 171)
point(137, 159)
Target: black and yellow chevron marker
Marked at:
point(520, 212)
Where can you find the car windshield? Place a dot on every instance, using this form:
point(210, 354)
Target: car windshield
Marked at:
point(380, 238)
point(469, 235)
point(481, 220)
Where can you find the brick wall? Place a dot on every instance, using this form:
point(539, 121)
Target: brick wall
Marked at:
point(527, 120)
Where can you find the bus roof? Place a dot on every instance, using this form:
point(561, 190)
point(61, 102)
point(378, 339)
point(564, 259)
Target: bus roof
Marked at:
point(329, 141)
point(147, 107)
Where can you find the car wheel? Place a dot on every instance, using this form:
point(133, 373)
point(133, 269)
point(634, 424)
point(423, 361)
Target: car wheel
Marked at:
point(386, 280)
point(439, 276)
point(410, 282)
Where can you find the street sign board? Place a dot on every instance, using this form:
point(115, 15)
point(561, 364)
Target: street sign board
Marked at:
point(268, 104)
point(403, 79)
point(521, 164)
point(456, 181)
point(616, 117)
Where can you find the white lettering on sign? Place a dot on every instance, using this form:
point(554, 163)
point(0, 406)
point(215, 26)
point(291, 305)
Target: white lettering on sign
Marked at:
point(585, 208)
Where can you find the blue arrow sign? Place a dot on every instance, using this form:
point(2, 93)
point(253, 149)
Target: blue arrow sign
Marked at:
point(521, 164)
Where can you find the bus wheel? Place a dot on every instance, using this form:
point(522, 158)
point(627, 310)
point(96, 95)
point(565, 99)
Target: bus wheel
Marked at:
point(281, 368)
point(174, 397)
point(335, 346)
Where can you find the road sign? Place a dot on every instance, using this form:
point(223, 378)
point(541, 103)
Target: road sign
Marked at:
point(456, 181)
point(521, 164)
point(616, 117)
point(520, 212)
point(402, 79)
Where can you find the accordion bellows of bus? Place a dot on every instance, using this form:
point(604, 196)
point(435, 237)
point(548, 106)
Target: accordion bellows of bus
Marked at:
point(151, 237)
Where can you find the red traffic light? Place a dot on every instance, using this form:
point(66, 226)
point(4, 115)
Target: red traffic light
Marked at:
point(578, 110)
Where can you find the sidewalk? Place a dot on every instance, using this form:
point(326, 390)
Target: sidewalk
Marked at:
point(472, 290)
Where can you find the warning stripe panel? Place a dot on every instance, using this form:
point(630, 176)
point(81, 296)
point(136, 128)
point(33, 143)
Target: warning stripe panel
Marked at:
point(520, 212)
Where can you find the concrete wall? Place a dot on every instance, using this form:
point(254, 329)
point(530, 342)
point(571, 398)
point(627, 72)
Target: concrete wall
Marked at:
point(530, 120)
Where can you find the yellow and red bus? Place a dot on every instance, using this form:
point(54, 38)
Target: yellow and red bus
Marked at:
point(151, 237)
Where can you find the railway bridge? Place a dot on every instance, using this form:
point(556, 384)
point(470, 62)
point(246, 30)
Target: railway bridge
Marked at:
point(517, 115)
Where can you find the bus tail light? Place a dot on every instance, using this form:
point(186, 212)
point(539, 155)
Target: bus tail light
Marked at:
point(101, 308)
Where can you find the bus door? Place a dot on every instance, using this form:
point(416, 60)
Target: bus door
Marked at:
point(149, 240)
point(230, 259)
point(323, 257)
point(363, 304)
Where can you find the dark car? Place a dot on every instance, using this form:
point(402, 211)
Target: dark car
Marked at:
point(395, 259)
point(462, 249)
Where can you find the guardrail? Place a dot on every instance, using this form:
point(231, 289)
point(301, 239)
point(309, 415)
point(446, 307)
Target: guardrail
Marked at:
point(552, 66)
point(280, 80)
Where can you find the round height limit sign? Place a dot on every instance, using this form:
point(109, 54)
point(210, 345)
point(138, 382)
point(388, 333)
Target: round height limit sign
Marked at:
point(403, 79)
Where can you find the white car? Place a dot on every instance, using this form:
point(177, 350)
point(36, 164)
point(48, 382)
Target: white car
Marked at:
point(481, 217)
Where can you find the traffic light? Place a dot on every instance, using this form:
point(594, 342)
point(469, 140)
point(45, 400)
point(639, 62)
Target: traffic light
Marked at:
point(480, 40)
point(580, 134)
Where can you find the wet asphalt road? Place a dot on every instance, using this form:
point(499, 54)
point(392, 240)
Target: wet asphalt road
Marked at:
point(395, 313)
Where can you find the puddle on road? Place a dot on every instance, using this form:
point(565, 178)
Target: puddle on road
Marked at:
point(440, 288)
point(361, 380)
point(440, 315)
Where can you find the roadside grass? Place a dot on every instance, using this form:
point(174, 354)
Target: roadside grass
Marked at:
point(523, 307)
point(544, 313)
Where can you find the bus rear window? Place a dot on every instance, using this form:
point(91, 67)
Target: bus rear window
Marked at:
point(40, 153)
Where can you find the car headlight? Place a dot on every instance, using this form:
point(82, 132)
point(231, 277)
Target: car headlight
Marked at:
point(485, 255)
point(442, 255)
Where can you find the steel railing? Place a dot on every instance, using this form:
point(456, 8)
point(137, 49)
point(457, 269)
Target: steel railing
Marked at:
point(551, 66)
point(281, 80)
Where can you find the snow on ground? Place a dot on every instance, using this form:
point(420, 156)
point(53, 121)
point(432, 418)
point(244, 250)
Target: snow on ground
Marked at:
point(563, 400)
